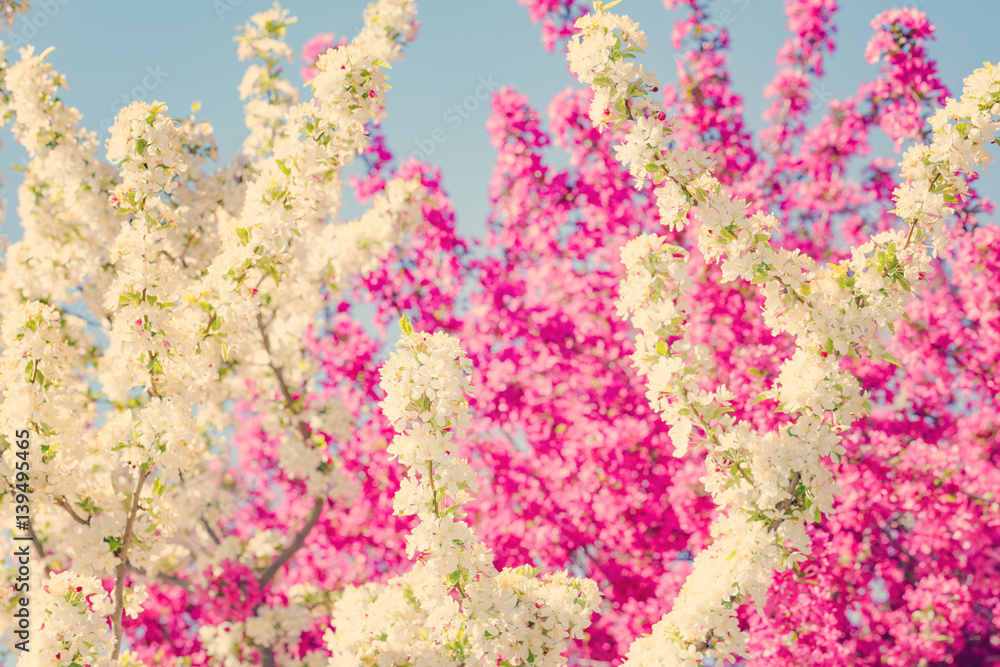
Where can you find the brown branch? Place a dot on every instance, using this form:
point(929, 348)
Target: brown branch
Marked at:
point(122, 553)
point(63, 503)
point(295, 545)
point(285, 392)
point(211, 533)
point(280, 377)
point(785, 505)
point(38, 545)
point(164, 577)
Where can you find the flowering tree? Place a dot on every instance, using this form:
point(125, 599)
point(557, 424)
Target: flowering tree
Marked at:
point(617, 427)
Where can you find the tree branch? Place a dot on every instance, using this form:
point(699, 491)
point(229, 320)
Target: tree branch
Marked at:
point(164, 577)
point(116, 616)
point(295, 545)
point(211, 533)
point(38, 545)
point(63, 503)
point(280, 377)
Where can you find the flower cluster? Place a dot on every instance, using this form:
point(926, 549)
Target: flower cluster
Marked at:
point(767, 485)
point(506, 617)
point(146, 146)
point(312, 50)
point(74, 630)
point(9, 10)
point(186, 282)
point(389, 24)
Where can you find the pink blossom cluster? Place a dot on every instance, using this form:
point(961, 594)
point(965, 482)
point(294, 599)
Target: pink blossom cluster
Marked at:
point(556, 16)
point(312, 49)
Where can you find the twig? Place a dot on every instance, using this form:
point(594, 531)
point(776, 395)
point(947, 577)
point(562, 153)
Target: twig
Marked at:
point(164, 577)
point(63, 503)
point(211, 533)
point(38, 545)
point(122, 553)
point(295, 545)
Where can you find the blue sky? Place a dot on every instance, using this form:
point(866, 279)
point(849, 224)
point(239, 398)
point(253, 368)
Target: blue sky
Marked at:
point(182, 52)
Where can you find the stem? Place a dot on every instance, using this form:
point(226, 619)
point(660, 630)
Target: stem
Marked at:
point(63, 503)
point(434, 501)
point(282, 385)
point(39, 546)
point(164, 577)
point(116, 616)
point(786, 505)
point(296, 543)
point(211, 533)
point(437, 514)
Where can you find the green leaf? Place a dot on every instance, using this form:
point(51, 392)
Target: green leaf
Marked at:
point(891, 359)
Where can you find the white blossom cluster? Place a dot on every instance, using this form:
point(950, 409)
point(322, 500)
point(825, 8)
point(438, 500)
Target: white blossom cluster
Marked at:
point(74, 630)
point(767, 485)
point(602, 54)
point(652, 295)
point(388, 25)
point(272, 627)
point(453, 607)
point(268, 96)
point(350, 86)
point(63, 197)
point(146, 145)
point(350, 92)
point(358, 247)
point(10, 9)
point(202, 283)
